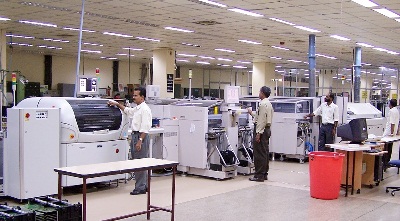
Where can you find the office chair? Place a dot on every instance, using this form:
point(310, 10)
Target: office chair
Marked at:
point(394, 163)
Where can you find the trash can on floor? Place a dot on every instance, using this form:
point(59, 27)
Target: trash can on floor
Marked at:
point(325, 174)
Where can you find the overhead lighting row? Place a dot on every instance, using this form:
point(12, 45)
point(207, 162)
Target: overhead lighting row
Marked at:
point(295, 26)
point(31, 45)
point(376, 7)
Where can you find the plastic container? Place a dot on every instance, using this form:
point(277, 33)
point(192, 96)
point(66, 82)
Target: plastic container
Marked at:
point(325, 174)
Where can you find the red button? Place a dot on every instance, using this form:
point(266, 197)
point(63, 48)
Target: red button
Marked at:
point(27, 115)
point(116, 150)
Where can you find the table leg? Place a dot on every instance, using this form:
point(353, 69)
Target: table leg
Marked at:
point(347, 172)
point(148, 193)
point(173, 194)
point(84, 199)
point(59, 186)
point(352, 176)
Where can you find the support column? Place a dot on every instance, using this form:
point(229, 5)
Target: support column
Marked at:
point(163, 67)
point(357, 74)
point(3, 65)
point(263, 75)
point(312, 63)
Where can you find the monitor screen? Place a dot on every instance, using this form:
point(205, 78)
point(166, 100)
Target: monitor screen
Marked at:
point(355, 131)
point(88, 85)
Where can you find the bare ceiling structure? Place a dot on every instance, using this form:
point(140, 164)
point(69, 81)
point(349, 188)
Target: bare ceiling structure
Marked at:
point(269, 30)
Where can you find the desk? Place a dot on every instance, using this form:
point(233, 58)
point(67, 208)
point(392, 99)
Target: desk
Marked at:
point(356, 153)
point(119, 167)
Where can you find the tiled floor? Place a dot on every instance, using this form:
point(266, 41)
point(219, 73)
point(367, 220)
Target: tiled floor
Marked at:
point(285, 196)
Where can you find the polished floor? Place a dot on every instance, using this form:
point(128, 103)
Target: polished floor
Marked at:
point(285, 196)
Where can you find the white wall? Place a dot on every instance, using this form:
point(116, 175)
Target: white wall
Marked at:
point(64, 69)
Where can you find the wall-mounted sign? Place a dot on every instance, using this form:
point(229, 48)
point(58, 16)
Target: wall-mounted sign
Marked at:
point(170, 83)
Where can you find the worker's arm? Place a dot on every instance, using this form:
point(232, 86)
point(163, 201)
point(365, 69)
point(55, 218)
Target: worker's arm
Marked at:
point(318, 111)
point(334, 128)
point(114, 103)
point(336, 119)
point(392, 129)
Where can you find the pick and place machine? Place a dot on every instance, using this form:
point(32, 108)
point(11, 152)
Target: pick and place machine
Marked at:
point(44, 133)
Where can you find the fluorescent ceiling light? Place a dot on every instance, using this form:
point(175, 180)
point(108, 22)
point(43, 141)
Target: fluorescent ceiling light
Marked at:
point(202, 62)
point(148, 39)
point(182, 60)
point(189, 44)
point(241, 11)
point(92, 44)
point(49, 47)
point(213, 3)
point(224, 59)
point(20, 44)
point(244, 62)
point(38, 23)
point(55, 40)
point(340, 38)
point(238, 66)
point(225, 50)
point(179, 29)
point(19, 36)
point(398, 19)
point(77, 29)
point(381, 49)
point(325, 56)
point(225, 65)
point(4, 19)
point(366, 64)
point(277, 58)
point(278, 66)
point(365, 45)
point(250, 42)
point(386, 13)
point(207, 57)
point(295, 61)
point(187, 55)
point(112, 58)
point(133, 49)
point(90, 51)
point(117, 34)
point(393, 52)
point(123, 54)
point(365, 3)
point(282, 21)
point(306, 29)
point(281, 48)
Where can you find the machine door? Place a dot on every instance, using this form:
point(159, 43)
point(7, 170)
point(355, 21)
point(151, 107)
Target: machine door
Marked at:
point(76, 154)
point(192, 145)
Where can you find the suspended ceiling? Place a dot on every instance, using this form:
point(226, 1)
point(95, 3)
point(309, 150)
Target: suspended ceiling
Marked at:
point(214, 28)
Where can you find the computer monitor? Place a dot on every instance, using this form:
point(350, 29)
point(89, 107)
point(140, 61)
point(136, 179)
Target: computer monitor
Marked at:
point(88, 85)
point(355, 131)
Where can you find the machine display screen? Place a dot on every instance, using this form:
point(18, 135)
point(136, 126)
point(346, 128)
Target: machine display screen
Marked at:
point(87, 85)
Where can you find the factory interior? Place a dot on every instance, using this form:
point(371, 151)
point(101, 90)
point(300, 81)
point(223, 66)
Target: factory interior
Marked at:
point(65, 151)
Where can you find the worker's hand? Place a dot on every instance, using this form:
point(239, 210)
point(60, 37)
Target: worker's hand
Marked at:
point(333, 132)
point(138, 145)
point(112, 103)
point(249, 110)
point(306, 116)
point(258, 138)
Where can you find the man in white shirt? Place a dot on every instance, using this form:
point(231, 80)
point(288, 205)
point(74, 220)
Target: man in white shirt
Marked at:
point(141, 124)
point(392, 124)
point(329, 113)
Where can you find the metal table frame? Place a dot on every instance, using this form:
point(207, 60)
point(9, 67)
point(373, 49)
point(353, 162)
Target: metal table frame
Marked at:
point(98, 170)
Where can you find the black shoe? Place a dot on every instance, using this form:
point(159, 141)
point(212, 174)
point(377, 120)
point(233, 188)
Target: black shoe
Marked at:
point(255, 179)
point(138, 192)
point(265, 177)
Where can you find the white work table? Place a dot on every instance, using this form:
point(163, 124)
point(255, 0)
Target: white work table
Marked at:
point(120, 167)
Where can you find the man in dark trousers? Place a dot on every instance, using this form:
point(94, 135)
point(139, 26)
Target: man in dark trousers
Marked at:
point(141, 124)
point(262, 133)
point(329, 113)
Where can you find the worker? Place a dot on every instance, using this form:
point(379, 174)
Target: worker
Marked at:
point(262, 133)
point(329, 113)
point(117, 96)
point(392, 124)
point(141, 124)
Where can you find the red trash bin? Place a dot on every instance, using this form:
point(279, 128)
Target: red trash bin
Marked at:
point(325, 174)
